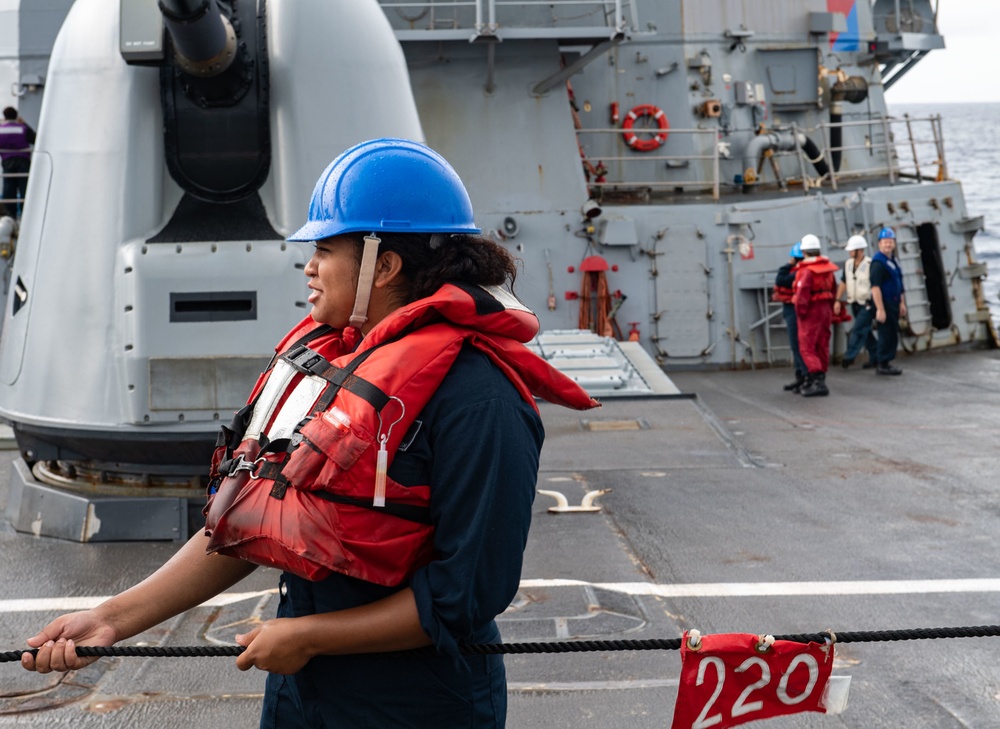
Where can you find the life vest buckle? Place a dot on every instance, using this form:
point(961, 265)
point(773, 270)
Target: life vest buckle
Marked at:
point(242, 464)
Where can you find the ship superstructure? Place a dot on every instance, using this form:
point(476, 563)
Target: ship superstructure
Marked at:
point(679, 148)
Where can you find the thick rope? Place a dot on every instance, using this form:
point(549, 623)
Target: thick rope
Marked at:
point(566, 646)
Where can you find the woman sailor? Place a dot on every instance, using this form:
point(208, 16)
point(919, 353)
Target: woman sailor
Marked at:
point(386, 463)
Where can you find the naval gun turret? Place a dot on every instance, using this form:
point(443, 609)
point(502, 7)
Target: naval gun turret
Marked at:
point(177, 146)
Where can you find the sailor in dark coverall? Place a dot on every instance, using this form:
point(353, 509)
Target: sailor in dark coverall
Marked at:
point(784, 288)
point(390, 275)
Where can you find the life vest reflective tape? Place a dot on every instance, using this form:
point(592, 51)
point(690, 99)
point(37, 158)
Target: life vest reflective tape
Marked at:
point(645, 145)
point(264, 507)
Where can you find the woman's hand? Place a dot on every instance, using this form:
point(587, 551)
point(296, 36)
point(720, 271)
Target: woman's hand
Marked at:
point(57, 641)
point(285, 645)
point(277, 646)
point(880, 316)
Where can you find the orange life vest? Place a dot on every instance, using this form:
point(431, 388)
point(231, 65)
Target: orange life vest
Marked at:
point(823, 282)
point(299, 480)
point(784, 293)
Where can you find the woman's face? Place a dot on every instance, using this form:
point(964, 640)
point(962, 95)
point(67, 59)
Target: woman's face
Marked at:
point(333, 279)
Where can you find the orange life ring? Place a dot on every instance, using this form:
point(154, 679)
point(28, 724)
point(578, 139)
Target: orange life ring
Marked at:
point(645, 145)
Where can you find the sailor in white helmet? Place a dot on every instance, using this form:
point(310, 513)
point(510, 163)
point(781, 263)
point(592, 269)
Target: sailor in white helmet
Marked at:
point(855, 290)
point(814, 291)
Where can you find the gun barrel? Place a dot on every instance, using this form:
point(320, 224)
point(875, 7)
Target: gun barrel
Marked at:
point(203, 39)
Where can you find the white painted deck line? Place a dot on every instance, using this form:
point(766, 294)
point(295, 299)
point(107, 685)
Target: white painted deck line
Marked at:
point(708, 589)
point(776, 589)
point(63, 604)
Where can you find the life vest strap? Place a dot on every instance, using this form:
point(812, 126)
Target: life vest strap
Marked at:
point(302, 341)
point(311, 363)
point(270, 470)
point(410, 512)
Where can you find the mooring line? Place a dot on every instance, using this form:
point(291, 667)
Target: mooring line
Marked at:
point(566, 646)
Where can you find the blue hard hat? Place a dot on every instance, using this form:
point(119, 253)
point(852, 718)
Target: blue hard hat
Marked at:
point(887, 232)
point(796, 251)
point(388, 186)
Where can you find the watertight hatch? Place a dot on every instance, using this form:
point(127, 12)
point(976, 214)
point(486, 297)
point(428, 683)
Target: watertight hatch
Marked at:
point(603, 366)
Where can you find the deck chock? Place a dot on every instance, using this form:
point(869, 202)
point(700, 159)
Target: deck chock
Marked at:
point(562, 503)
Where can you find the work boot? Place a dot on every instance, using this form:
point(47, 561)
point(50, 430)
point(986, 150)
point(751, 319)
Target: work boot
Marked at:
point(807, 382)
point(817, 386)
point(886, 368)
point(797, 385)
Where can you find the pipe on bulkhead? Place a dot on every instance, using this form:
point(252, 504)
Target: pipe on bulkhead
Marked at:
point(815, 156)
point(8, 236)
point(854, 90)
point(783, 141)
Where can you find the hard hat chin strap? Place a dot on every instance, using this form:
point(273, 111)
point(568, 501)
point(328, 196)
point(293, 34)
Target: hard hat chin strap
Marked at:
point(366, 277)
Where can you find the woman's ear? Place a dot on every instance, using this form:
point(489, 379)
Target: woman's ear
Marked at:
point(388, 269)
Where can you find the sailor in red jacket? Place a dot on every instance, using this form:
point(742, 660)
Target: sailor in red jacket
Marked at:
point(815, 287)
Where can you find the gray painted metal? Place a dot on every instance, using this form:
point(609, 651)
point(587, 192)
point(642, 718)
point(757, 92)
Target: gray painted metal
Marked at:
point(88, 266)
point(603, 366)
point(24, 52)
point(99, 191)
point(36, 508)
point(685, 226)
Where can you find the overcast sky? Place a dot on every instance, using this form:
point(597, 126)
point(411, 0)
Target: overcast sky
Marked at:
point(966, 68)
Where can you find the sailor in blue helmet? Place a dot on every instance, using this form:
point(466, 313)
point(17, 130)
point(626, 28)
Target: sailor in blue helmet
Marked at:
point(386, 463)
point(784, 289)
point(889, 296)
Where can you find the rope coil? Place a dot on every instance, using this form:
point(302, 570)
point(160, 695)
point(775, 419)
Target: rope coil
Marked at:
point(566, 646)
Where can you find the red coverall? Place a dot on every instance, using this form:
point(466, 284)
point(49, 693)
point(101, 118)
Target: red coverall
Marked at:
point(815, 287)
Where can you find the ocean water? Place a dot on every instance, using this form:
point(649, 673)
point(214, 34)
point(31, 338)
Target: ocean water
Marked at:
point(972, 149)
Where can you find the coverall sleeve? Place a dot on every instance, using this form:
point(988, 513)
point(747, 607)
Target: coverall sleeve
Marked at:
point(876, 274)
point(483, 479)
point(785, 277)
point(803, 292)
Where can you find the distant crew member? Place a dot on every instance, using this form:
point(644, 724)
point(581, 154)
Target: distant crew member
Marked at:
point(856, 289)
point(815, 286)
point(16, 139)
point(889, 296)
point(784, 284)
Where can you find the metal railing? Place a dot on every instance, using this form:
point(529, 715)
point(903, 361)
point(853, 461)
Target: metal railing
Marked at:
point(891, 148)
point(919, 156)
point(9, 206)
point(488, 17)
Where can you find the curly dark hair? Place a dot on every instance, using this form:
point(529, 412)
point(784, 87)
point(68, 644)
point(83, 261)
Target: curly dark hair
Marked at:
point(461, 258)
